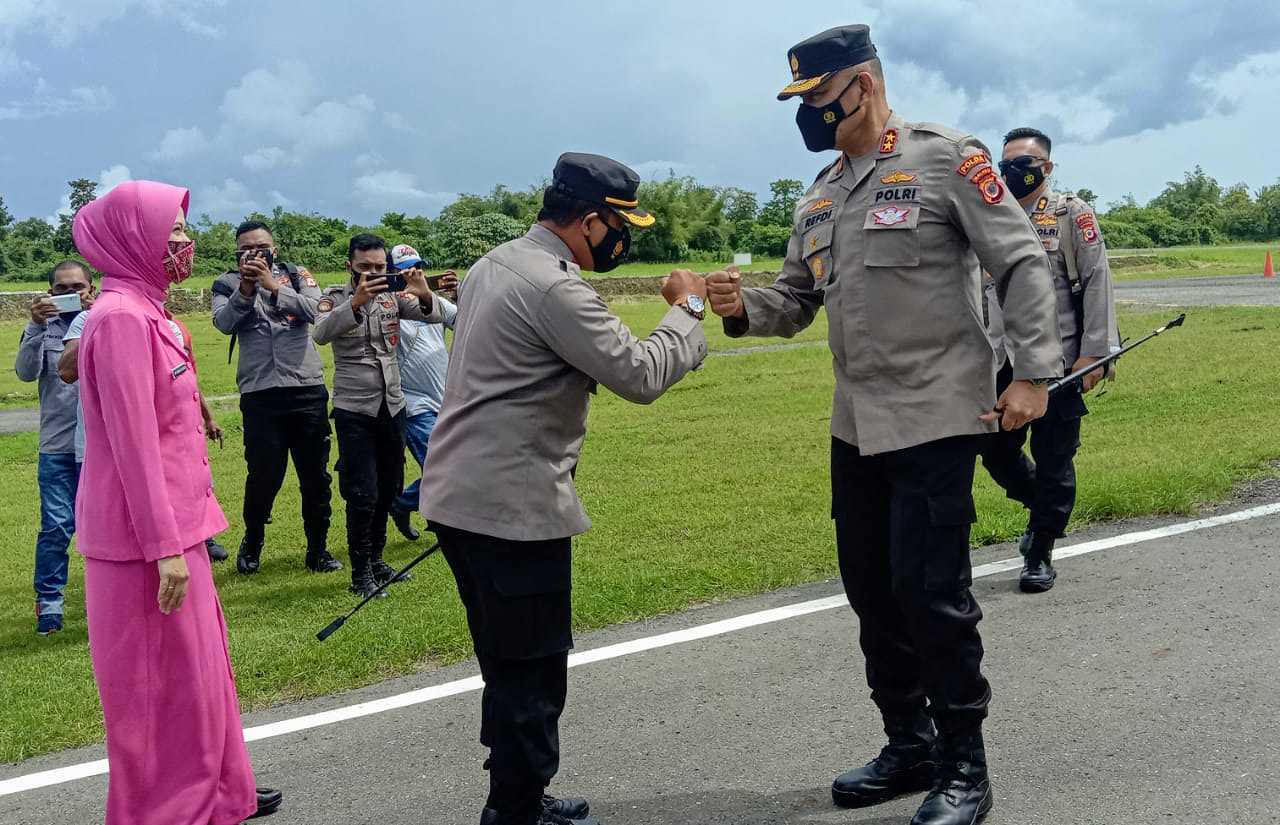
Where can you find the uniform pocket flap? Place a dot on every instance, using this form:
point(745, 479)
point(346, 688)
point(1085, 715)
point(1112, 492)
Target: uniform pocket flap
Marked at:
point(951, 511)
point(818, 239)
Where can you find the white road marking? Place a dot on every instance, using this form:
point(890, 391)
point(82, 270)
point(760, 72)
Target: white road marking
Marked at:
point(85, 770)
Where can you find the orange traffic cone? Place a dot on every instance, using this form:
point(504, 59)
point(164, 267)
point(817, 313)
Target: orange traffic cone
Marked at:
point(1268, 271)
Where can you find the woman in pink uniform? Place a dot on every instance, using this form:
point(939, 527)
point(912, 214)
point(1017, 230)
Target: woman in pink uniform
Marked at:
point(156, 632)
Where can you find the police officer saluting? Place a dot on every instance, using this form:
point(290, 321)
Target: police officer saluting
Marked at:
point(532, 340)
point(362, 320)
point(890, 239)
point(268, 307)
point(1086, 322)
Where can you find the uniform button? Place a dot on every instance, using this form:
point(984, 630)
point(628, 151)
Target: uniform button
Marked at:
point(195, 396)
point(205, 460)
point(208, 493)
point(200, 429)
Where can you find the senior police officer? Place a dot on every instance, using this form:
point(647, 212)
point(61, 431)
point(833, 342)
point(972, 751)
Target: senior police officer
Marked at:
point(1046, 483)
point(889, 238)
point(361, 319)
point(268, 307)
point(532, 341)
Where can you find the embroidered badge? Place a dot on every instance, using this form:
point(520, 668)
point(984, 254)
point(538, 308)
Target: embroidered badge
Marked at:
point(1088, 228)
point(989, 185)
point(889, 141)
point(326, 305)
point(817, 269)
point(898, 193)
point(898, 176)
point(1045, 220)
point(890, 215)
point(819, 206)
point(1041, 204)
point(972, 162)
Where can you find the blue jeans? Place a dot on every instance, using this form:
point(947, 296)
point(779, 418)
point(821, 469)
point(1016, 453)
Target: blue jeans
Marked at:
point(417, 432)
point(58, 477)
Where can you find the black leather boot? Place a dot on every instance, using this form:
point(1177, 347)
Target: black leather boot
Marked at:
point(249, 558)
point(319, 559)
point(363, 584)
point(571, 808)
point(1038, 574)
point(269, 801)
point(401, 519)
point(905, 765)
point(961, 793)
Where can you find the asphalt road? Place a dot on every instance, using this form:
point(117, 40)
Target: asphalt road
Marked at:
point(1138, 691)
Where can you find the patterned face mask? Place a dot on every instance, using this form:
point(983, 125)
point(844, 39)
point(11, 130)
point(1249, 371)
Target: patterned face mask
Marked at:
point(181, 260)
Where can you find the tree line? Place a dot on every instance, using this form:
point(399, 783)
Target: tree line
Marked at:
point(695, 223)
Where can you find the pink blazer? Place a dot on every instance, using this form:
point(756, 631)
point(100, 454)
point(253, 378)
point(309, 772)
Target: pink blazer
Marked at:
point(146, 490)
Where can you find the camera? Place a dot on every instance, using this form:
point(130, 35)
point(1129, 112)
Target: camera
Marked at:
point(69, 302)
point(264, 254)
point(396, 281)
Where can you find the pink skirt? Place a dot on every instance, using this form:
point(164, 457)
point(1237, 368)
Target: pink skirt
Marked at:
point(174, 740)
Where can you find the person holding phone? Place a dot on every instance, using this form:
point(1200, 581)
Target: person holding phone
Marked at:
point(58, 471)
point(361, 319)
point(268, 306)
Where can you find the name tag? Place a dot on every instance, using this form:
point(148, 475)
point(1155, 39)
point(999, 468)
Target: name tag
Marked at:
point(179, 370)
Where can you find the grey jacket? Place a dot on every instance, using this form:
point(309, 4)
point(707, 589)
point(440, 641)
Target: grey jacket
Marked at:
point(273, 331)
point(38, 355)
point(890, 243)
point(531, 342)
point(365, 372)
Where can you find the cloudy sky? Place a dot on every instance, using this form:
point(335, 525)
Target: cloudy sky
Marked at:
point(354, 109)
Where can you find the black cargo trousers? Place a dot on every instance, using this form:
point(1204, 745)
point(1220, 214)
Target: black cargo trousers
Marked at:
point(902, 523)
point(1045, 483)
point(517, 596)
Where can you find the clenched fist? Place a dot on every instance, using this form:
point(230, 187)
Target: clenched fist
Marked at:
point(724, 289)
point(682, 282)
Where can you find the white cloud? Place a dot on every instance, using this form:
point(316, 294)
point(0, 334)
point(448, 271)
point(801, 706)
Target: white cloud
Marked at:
point(369, 160)
point(282, 102)
point(268, 157)
point(65, 21)
point(11, 65)
point(396, 190)
point(45, 101)
point(180, 144)
point(108, 179)
point(277, 198)
point(229, 199)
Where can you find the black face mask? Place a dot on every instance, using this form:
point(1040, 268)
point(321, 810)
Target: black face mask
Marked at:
point(818, 124)
point(613, 247)
point(1021, 176)
point(69, 316)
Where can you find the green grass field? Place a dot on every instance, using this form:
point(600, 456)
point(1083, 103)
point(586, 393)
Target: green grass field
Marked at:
point(1127, 264)
point(717, 490)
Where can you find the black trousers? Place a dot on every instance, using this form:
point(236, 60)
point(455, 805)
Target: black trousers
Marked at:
point(370, 475)
point(518, 602)
point(902, 535)
point(279, 423)
point(1045, 483)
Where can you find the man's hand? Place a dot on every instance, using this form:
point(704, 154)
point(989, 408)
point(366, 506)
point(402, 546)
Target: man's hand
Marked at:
point(212, 429)
point(255, 274)
point(415, 284)
point(449, 282)
point(725, 291)
point(1019, 405)
point(682, 282)
point(174, 577)
point(371, 286)
point(43, 310)
point(1091, 380)
point(87, 298)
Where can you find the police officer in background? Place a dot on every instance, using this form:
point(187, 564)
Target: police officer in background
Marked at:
point(268, 306)
point(1086, 321)
point(889, 238)
point(361, 319)
point(532, 340)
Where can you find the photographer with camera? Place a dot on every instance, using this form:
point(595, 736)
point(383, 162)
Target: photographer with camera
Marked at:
point(269, 306)
point(424, 363)
point(361, 319)
point(58, 473)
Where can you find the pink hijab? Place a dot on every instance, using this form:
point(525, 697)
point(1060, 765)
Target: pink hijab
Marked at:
point(125, 234)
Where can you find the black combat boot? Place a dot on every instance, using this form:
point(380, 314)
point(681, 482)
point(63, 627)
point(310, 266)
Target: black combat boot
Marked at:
point(248, 559)
point(383, 573)
point(319, 559)
point(1038, 574)
point(961, 793)
point(363, 584)
point(905, 765)
point(571, 808)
